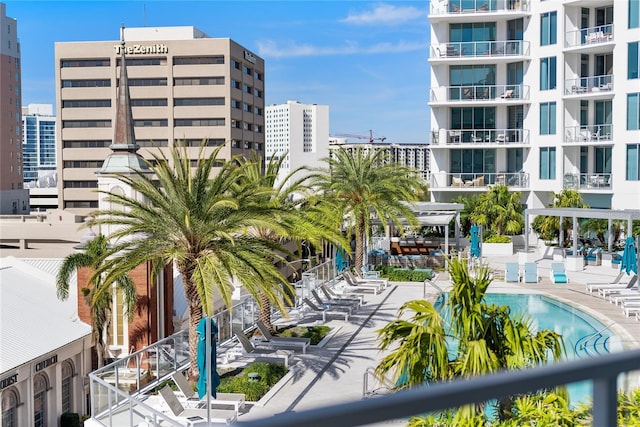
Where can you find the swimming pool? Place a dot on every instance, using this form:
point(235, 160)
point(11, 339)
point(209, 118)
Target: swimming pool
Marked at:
point(583, 334)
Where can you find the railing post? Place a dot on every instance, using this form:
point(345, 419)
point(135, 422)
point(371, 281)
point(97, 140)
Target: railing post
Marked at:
point(605, 402)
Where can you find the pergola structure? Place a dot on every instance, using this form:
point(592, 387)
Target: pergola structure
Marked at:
point(609, 214)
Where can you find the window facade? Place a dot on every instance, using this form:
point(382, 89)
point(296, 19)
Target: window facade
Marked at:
point(195, 60)
point(86, 83)
point(152, 102)
point(547, 163)
point(548, 118)
point(179, 102)
point(548, 28)
point(634, 13)
point(198, 81)
point(548, 73)
point(91, 103)
point(66, 397)
point(465, 79)
point(10, 402)
point(633, 59)
point(40, 388)
point(633, 162)
point(470, 163)
point(633, 111)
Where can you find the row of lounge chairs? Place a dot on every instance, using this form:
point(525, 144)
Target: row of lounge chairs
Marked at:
point(530, 273)
point(622, 291)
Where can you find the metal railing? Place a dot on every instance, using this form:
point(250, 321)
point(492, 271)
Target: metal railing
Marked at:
point(480, 49)
point(582, 181)
point(588, 133)
point(601, 371)
point(498, 93)
point(477, 6)
point(589, 36)
point(478, 180)
point(480, 136)
point(585, 85)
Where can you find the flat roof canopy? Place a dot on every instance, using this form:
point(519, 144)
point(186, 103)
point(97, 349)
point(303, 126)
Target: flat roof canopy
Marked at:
point(627, 214)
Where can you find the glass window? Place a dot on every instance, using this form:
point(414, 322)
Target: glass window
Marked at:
point(40, 387)
point(10, 402)
point(547, 163)
point(548, 28)
point(634, 13)
point(633, 162)
point(67, 386)
point(548, 118)
point(602, 160)
point(548, 73)
point(633, 111)
point(634, 61)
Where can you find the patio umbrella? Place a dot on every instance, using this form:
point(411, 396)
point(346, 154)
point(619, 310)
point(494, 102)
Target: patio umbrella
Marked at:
point(474, 250)
point(203, 343)
point(341, 260)
point(629, 260)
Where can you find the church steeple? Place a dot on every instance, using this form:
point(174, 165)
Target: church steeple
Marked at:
point(124, 157)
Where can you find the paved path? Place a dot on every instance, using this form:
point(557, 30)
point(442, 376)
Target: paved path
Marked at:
point(334, 373)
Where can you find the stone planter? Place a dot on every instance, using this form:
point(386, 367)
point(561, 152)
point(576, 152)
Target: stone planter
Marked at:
point(499, 249)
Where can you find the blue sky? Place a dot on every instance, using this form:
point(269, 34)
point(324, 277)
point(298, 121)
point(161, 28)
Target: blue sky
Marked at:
point(366, 60)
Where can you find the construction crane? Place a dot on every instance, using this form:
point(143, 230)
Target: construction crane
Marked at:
point(370, 137)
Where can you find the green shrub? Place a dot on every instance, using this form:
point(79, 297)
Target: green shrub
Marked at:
point(315, 333)
point(497, 238)
point(70, 419)
point(403, 275)
point(269, 375)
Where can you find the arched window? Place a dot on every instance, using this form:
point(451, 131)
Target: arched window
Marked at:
point(67, 386)
point(10, 401)
point(40, 388)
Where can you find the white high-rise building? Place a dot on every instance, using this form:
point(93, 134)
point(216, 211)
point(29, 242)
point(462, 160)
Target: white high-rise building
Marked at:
point(38, 142)
point(537, 95)
point(300, 132)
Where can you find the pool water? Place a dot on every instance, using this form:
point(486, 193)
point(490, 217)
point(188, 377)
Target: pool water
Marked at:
point(583, 335)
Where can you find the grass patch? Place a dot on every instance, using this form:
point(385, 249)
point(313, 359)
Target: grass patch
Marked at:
point(268, 374)
point(315, 333)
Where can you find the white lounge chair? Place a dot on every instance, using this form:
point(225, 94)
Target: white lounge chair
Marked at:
point(324, 311)
point(530, 272)
point(512, 272)
point(262, 353)
point(608, 291)
point(592, 287)
point(297, 343)
point(195, 415)
point(382, 283)
point(236, 400)
point(346, 296)
point(558, 273)
point(354, 286)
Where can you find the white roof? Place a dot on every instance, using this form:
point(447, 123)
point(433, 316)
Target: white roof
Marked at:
point(33, 321)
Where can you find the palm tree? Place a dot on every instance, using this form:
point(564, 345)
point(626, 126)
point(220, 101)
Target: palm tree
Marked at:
point(361, 184)
point(487, 338)
point(500, 210)
point(310, 223)
point(199, 218)
point(99, 295)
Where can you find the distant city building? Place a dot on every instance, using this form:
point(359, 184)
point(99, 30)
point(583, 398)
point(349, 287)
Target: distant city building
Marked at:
point(185, 87)
point(13, 198)
point(300, 132)
point(415, 156)
point(38, 143)
point(539, 96)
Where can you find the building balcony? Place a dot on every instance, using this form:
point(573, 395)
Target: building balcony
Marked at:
point(477, 181)
point(479, 94)
point(471, 10)
point(589, 86)
point(587, 181)
point(595, 134)
point(474, 137)
point(479, 51)
point(590, 38)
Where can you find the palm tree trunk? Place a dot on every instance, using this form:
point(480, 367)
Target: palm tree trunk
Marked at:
point(195, 315)
point(360, 235)
point(265, 311)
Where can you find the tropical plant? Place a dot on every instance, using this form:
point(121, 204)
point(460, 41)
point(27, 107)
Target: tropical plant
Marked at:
point(198, 218)
point(98, 295)
point(499, 210)
point(487, 339)
point(309, 223)
point(600, 227)
point(548, 227)
point(470, 202)
point(361, 184)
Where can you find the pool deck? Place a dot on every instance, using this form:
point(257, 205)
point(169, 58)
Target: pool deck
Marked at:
point(334, 373)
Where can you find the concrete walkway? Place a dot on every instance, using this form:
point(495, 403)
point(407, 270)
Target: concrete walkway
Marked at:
point(335, 373)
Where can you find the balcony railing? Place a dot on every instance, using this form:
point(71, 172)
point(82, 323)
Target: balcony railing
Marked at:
point(478, 180)
point(589, 133)
point(584, 85)
point(480, 136)
point(477, 6)
point(583, 181)
point(479, 93)
point(589, 36)
point(602, 372)
point(486, 49)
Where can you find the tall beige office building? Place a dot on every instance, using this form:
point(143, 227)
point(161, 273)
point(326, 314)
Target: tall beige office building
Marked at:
point(185, 87)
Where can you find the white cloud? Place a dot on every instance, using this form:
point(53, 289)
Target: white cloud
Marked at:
point(270, 49)
point(386, 14)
